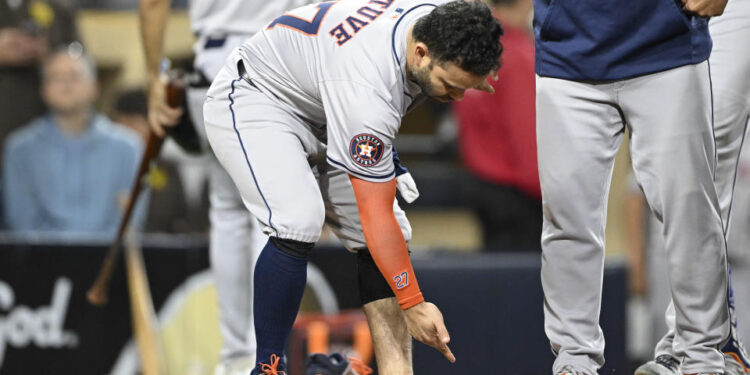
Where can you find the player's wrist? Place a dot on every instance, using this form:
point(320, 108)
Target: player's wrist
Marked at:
point(153, 77)
point(157, 75)
point(407, 302)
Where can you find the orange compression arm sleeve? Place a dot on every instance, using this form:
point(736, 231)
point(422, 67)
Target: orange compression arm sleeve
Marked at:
point(385, 239)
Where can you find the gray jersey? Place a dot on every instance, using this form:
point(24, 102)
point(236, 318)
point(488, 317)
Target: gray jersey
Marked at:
point(235, 16)
point(341, 67)
point(222, 25)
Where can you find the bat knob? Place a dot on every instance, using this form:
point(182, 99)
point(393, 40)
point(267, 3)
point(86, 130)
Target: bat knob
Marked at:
point(96, 296)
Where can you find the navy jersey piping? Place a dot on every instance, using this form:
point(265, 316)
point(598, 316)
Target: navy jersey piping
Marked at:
point(393, 43)
point(340, 165)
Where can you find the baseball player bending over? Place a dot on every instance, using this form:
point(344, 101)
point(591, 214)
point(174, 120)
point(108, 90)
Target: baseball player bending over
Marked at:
point(236, 239)
point(303, 118)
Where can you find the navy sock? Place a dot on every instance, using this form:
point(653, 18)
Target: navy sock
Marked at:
point(279, 284)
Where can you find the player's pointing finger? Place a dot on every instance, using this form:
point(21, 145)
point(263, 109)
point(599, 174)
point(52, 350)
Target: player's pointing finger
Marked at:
point(448, 354)
point(443, 338)
point(442, 332)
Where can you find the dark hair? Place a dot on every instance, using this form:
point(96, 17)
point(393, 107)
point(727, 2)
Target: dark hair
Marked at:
point(464, 33)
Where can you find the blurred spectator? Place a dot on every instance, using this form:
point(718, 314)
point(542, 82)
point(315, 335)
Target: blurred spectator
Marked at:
point(71, 170)
point(168, 211)
point(28, 29)
point(498, 140)
point(647, 276)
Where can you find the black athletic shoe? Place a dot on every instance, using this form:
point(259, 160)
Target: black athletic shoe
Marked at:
point(273, 368)
point(335, 364)
point(662, 365)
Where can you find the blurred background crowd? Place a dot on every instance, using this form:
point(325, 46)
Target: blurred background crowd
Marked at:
point(73, 123)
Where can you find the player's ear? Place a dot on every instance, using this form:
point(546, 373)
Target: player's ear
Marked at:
point(421, 52)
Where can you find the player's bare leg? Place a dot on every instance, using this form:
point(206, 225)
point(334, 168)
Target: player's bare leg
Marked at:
point(392, 342)
point(390, 337)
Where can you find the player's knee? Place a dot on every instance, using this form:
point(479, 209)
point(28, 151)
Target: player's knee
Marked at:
point(297, 249)
point(309, 220)
point(372, 285)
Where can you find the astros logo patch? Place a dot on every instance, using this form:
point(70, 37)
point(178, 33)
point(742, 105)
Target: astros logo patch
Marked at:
point(366, 149)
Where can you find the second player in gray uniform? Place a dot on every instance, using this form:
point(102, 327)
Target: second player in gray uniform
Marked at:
point(303, 118)
point(235, 238)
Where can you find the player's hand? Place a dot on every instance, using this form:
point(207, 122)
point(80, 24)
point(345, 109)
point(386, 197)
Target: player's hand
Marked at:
point(705, 8)
point(159, 113)
point(425, 323)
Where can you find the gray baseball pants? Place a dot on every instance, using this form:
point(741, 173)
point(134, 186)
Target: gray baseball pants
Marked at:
point(235, 243)
point(580, 126)
point(730, 75)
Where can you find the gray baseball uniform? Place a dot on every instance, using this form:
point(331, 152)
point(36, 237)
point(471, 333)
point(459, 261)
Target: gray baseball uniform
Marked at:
point(730, 67)
point(577, 141)
point(321, 97)
point(236, 239)
point(605, 66)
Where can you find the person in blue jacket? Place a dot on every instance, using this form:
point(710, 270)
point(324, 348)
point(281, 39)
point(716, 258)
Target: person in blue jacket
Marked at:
point(69, 171)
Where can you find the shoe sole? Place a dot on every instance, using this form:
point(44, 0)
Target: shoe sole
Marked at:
point(648, 369)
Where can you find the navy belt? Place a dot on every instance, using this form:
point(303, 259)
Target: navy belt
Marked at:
point(215, 42)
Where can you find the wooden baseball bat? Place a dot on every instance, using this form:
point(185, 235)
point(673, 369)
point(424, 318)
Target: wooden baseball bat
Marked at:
point(97, 294)
point(145, 326)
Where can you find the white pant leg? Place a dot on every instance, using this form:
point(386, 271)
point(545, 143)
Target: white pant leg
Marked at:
point(730, 67)
point(235, 243)
point(253, 139)
point(673, 154)
point(578, 133)
point(665, 346)
point(659, 294)
point(258, 142)
point(741, 280)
